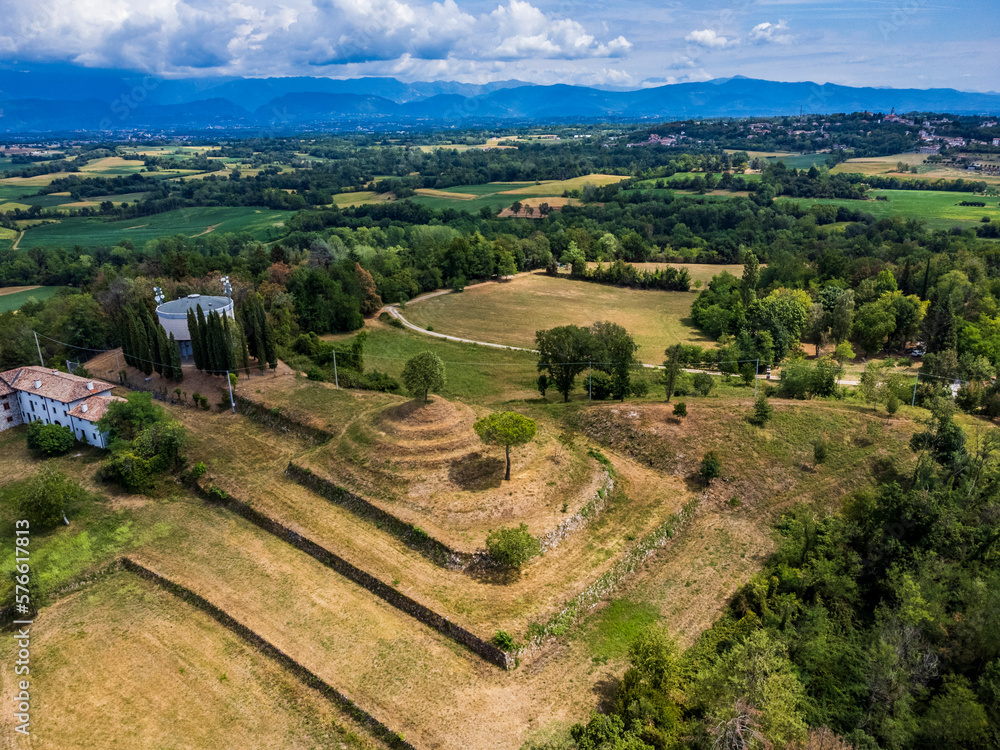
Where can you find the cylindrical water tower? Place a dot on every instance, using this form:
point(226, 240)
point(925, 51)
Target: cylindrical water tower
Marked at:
point(173, 316)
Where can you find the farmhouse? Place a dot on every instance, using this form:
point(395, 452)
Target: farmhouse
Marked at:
point(30, 394)
point(173, 316)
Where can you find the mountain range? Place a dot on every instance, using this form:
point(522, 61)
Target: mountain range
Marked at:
point(65, 99)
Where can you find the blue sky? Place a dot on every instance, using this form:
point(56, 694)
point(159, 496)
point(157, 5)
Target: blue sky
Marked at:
point(899, 43)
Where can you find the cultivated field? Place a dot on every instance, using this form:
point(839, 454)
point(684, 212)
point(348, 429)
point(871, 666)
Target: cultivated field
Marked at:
point(938, 208)
point(12, 298)
point(533, 301)
point(886, 165)
point(259, 223)
point(498, 196)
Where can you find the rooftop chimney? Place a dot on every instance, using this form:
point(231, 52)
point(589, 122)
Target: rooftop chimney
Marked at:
point(90, 385)
point(83, 408)
point(38, 384)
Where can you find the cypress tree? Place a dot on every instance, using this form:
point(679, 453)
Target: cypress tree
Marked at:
point(176, 373)
point(203, 339)
point(270, 345)
point(229, 342)
point(143, 355)
point(157, 351)
point(244, 352)
point(195, 333)
point(212, 347)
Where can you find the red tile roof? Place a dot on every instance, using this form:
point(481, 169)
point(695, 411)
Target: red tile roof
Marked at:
point(5, 390)
point(59, 386)
point(97, 407)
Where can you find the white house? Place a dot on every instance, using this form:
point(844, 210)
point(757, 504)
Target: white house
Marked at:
point(29, 394)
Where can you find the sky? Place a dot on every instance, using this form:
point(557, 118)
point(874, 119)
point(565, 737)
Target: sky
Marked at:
point(640, 43)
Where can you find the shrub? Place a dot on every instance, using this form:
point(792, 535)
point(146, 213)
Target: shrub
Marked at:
point(197, 472)
point(46, 497)
point(599, 385)
point(512, 547)
point(543, 384)
point(680, 409)
point(762, 411)
point(217, 494)
point(504, 640)
point(314, 373)
point(711, 467)
point(820, 450)
point(49, 439)
point(892, 403)
point(196, 399)
point(639, 388)
point(703, 383)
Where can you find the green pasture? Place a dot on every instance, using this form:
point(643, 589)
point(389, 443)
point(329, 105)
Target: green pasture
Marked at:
point(92, 231)
point(14, 301)
point(938, 208)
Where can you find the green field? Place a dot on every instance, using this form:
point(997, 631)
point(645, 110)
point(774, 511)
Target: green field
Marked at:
point(15, 300)
point(12, 192)
point(186, 221)
point(938, 208)
point(533, 301)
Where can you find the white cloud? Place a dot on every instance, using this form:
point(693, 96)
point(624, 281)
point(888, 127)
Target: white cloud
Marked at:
point(708, 38)
point(770, 33)
point(268, 37)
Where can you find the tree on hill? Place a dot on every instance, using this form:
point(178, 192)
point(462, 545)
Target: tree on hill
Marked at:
point(371, 303)
point(563, 352)
point(45, 498)
point(512, 547)
point(424, 373)
point(614, 349)
point(506, 428)
point(672, 367)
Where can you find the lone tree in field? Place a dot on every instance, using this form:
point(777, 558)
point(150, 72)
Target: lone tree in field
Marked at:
point(424, 373)
point(564, 352)
point(506, 428)
point(672, 367)
point(512, 547)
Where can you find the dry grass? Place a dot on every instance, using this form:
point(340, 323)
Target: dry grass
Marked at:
point(548, 187)
point(886, 165)
point(15, 289)
point(249, 462)
point(556, 203)
point(509, 313)
point(36, 181)
point(350, 200)
point(424, 464)
point(124, 663)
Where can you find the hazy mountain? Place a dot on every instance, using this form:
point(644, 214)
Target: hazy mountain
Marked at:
point(64, 98)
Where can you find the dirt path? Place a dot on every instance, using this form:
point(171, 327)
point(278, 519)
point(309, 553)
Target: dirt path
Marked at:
point(207, 231)
point(17, 240)
point(395, 312)
point(15, 289)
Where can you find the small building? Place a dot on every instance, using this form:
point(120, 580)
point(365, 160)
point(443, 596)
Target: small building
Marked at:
point(38, 394)
point(173, 316)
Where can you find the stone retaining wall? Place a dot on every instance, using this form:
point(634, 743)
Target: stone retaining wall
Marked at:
point(393, 739)
point(387, 593)
point(274, 419)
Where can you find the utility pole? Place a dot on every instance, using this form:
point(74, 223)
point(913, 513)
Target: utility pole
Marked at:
point(590, 394)
point(916, 379)
point(336, 378)
point(40, 360)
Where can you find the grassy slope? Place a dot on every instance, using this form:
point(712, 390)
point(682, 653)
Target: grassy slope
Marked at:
point(15, 300)
point(187, 221)
point(938, 208)
point(119, 664)
point(534, 301)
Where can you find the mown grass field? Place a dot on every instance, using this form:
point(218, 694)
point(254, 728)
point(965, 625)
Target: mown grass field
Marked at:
point(13, 300)
point(938, 208)
point(499, 195)
point(510, 313)
point(886, 165)
point(119, 663)
point(90, 232)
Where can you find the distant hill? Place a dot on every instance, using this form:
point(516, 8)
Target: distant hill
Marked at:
point(60, 98)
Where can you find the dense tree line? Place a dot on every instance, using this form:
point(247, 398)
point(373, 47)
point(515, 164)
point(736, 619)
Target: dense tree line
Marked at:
point(872, 628)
